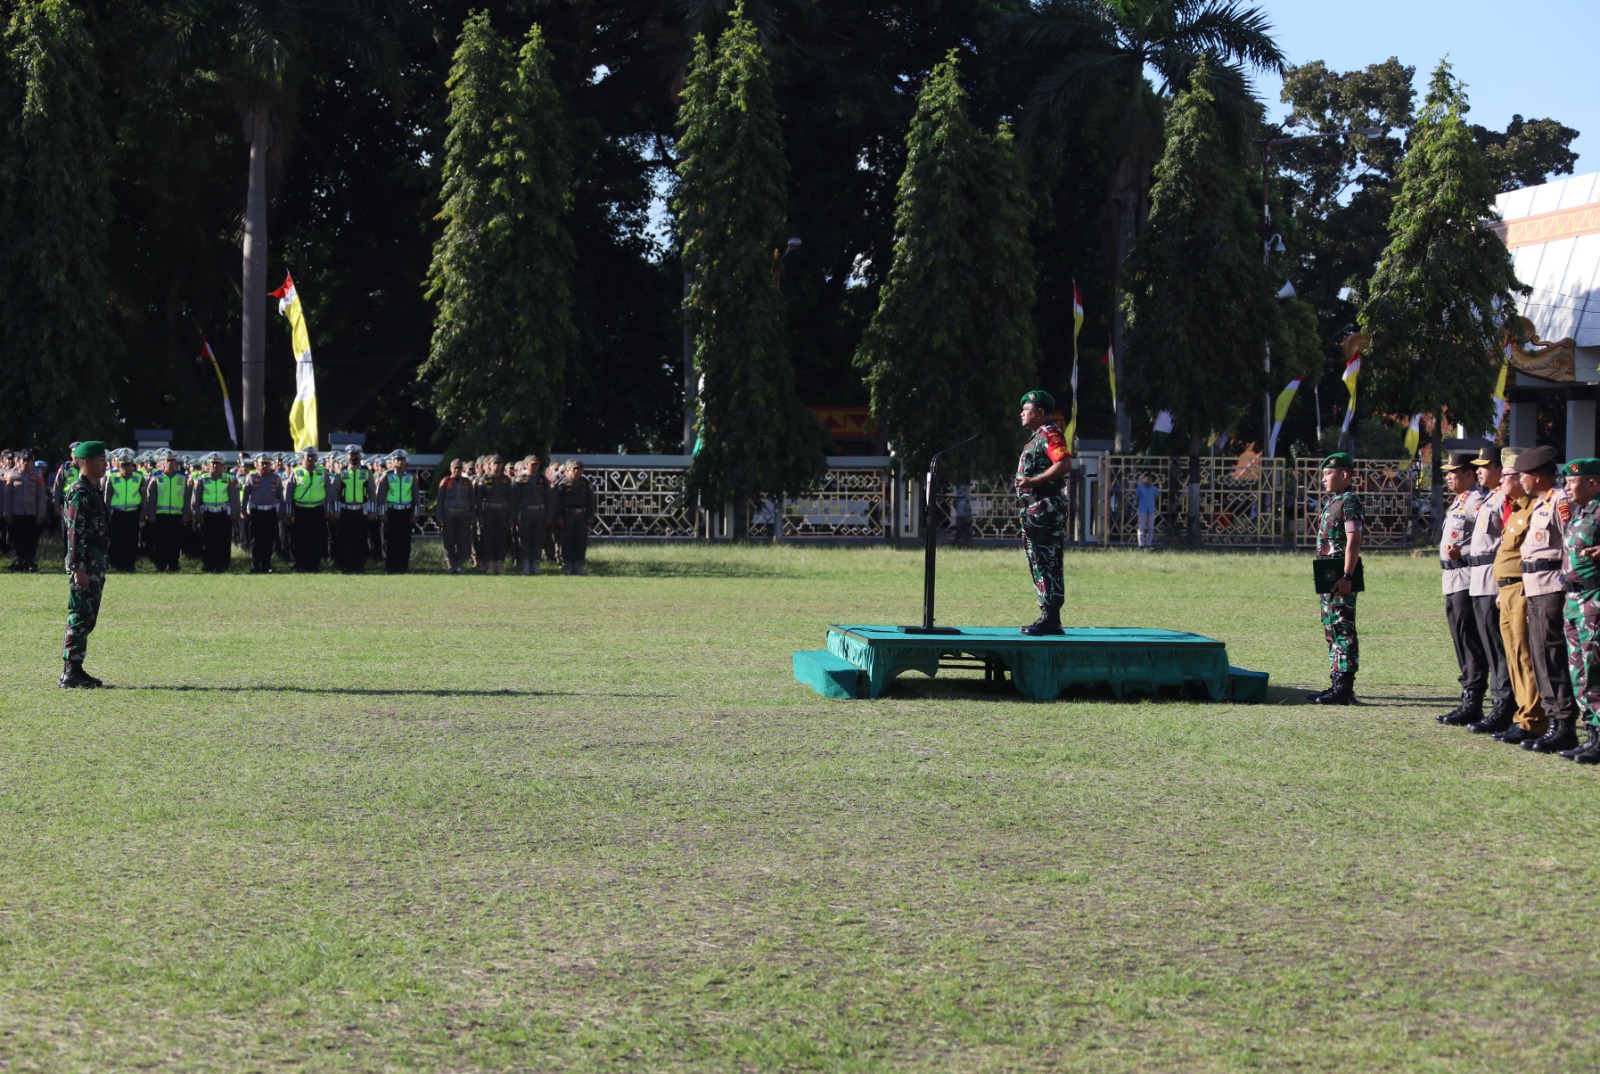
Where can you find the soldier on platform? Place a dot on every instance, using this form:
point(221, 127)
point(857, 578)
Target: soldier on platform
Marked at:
point(305, 501)
point(262, 497)
point(578, 512)
point(1339, 531)
point(1542, 554)
point(351, 503)
point(214, 504)
point(124, 496)
point(1040, 483)
point(27, 509)
point(400, 499)
point(1461, 478)
point(1528, 722)
point(88, 539)
point(491, 505)
point(1484, 543)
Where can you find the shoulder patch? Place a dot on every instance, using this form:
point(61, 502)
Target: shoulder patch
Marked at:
point(1564, 509)
point(1055, 444)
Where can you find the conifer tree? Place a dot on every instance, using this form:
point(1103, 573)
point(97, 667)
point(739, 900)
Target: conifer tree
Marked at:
point(951, 347)
point(755, 437)
point(1200, 307)
point(55, 210)
point(502, 270)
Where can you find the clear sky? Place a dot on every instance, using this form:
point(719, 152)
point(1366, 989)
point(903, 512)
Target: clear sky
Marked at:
point(1535, 58)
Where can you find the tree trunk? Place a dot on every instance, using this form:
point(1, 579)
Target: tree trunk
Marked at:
point(253, 348)
point(1125, 210)
point(1194, 489)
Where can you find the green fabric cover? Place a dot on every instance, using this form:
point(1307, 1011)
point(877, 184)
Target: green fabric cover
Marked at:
point(1124, 658)
point(827, 674)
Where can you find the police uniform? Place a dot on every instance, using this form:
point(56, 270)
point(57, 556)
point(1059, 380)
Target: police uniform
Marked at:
point(214, 502)
point(1542, 556)
point(305, 499)
point(351, 500)
point(166, 505)
point(124, 496)
point(400, 499)
point(262, 498)
point(88, 540)
point(1487, 528)
point(28, 510)
point(1456, 580)
point(1528, 721)
point(1044, 515)
point(1341, 518)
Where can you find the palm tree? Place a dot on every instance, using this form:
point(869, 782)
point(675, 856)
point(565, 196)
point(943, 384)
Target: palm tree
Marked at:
point(261, 51)
point(1101, 55)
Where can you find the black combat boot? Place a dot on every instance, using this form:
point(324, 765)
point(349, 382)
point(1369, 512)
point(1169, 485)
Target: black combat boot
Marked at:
point(1498, 720)
point(1049, 623)
point(1590, 754)
point(1470, 710)
point(73, 677)
point(1321, 697)
point(1516, 735)
point(1591, 741)
point(1562, 735)
point(1343, 692)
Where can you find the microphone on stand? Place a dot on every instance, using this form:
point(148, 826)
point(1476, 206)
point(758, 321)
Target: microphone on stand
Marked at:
point(930, 544)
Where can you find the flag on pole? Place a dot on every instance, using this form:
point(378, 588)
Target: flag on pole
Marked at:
point(1499, 398)
point(227, 403)
point(1352, 371)
point(1110, 362)
point(1413, 435)
point(303, 414)
point(1280, 411)
point(1159, 434)
point(1077, 326)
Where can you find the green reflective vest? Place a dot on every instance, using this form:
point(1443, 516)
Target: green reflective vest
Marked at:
point(169, 493)
point(214, 490)
point(353, 491)
point(400, 488)
point(124, 492)
point(310, 487)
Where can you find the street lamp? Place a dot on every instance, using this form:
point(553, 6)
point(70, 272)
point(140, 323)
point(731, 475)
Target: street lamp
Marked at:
point(1272, 241)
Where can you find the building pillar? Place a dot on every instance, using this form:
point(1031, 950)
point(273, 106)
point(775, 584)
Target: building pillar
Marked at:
point(1580, 428)
point(1524, 423)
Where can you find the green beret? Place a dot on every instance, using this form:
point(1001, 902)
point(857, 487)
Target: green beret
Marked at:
point(1038, 397)
point(1339, 460)
point(1578, 467)
point(88, 449)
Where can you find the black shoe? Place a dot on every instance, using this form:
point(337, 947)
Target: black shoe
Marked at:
point(1590, 754)
point(1320, 697)
point(73, 677)
point(1049, 623)
point(1469, 711)
point(1562, 735)
point(1498, 719)
point(1515, 736)
point(1341, 693)
point(1591, 741)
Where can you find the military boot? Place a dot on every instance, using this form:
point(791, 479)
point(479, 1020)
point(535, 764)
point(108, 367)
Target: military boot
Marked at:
point(1498, 719)
point(1469, 711)
point(73, 677)
point(1516, 735)
point(1591, 741)
point(1562, 735)
point(1049, 623)
point(1590, 754)
point(1342, 692)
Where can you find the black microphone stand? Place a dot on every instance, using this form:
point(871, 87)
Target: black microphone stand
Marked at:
point(930, 547)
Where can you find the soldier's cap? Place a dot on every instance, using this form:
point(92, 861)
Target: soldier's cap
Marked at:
point(1339, 460)
point(1461, 460)
point(1582, 468)
point(1039, 397)
point(88, 449)
point(1536, 459)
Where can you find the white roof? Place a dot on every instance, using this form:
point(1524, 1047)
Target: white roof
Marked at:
point(1553, 231)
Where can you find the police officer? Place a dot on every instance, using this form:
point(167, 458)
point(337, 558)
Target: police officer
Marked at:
point(1581, 579)
point(124, 496)
point(1339, 531)
point(214, 503)
point(1040, 482)
point(88, 540)
point(350, 502)
point(262, 497)
point(1528, 721)
point(1481, 548)
point(1461, 477)
point(1542, 553)
point(577, 515)
point(27, 509)
point(166, 505)
point(400, 498)
point(305, 500)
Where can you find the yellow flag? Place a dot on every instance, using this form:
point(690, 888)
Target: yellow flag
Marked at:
point(303, 412)
point(1413, 435)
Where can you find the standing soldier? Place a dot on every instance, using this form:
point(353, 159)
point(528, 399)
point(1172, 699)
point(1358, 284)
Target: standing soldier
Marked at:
point(452, 509)
point(262, 495)
point(400, 498)
point(1582, 615)
point(1485, 542)
point(1528, 722)
point(306, 502)
point(166, 505)
point(491, 503)
point(352, 502)
point(124, 496)
point(1456, 573)
point(88, 537)
point(27, 510)
point(1339, 531)
point(531, 501)
point(577, 515)
point(214, 503)
point(1542, 553)
point(1040, 482)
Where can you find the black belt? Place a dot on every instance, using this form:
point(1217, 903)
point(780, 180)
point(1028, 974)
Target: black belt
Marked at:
point(1580, 585)
point(1540, 566)
point(1453, 564)
point(1503, 582)
point(1481, 561)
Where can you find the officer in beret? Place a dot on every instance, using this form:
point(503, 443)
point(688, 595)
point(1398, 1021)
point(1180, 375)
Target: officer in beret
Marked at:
point(1542, 554)
point(1040, 482)
point(1461, 477)
point(1581, 579)
point(1528, 721)
point(88, 534)
point(1339, 530)
point(1487, 528)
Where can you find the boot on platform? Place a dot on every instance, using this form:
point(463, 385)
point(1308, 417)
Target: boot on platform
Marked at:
point(1498, 720)
point(1591, 741)
point(1562, 735)
point(1469, 711)
point(1049, 622)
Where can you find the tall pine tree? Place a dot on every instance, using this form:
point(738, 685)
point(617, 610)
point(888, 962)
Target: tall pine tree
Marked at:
point(55, 211)
point(951, 347)
point(1200, 307)
point(502, 270)
point(755, 437)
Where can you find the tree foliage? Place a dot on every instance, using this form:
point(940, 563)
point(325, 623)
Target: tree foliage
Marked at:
point(55, 208)
point(502, 270)
point(755, 437)
point(951, 347)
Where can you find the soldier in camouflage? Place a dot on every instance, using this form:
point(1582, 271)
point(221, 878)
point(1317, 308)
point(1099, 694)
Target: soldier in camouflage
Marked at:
point(1041, 482)
point(1581, 616)
point(88, 535)
point(1339, 532)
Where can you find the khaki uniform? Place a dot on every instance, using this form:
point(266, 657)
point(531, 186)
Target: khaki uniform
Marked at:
point(1514, 618)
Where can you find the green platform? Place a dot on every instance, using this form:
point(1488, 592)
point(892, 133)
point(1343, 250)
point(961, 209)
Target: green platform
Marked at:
point(1125, 659)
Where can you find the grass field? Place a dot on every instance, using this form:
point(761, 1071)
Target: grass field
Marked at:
point(451, 824)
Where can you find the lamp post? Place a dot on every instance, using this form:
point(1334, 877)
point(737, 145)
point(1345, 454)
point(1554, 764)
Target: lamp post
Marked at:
point(1272, 241)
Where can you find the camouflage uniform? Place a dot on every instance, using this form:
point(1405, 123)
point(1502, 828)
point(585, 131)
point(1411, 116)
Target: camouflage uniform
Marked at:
point(1339, 613)
point(1582, 613)
point(88, 531)
point(1044, 515)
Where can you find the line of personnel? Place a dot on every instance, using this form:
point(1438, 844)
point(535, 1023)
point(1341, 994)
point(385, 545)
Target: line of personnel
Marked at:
point(307, 511)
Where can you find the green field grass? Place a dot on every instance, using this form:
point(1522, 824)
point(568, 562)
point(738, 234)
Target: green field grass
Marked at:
point(548, 824)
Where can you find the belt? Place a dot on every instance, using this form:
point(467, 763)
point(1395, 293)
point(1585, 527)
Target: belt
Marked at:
point(1503, 582)
point(1453, 564)
point(352, 506)
point(1580, 585)
point(221, 509)
point(397, 507)
point(1481, 561)
point(123, 510)
point(257, 507)
point(1539, 566)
